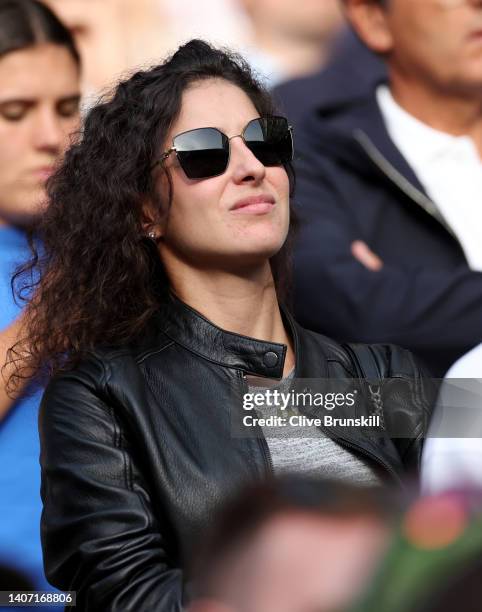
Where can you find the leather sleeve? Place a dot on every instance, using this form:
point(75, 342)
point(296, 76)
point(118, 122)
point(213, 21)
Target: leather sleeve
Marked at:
point(100, 536)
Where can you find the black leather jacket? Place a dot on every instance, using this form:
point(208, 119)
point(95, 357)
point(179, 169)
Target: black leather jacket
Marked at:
point(137, 450)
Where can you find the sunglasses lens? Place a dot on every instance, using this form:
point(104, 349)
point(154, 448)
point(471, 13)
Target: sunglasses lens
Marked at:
point(270, 141)
point(202, 153)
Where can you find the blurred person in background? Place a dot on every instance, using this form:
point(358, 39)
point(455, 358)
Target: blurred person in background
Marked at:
point(39, 100)
point(281, 39)
point(293, 545)
point(351, 73)
point(99, 28)
point(156, 302)
point(114, 37)
point(290, 39)
point(220, 22)
point(389, 188)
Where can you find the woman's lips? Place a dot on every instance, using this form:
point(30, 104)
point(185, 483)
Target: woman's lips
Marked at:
point(255, 209)
point(44, 173)
point(254, 205)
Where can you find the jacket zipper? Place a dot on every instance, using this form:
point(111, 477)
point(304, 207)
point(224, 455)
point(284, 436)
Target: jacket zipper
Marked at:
point(261, 437)
point(355, 361)
point(401, 182)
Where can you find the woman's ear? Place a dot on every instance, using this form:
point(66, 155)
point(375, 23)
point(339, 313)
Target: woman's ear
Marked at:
point(155, 206)
point(369, 19)
point(152, 226)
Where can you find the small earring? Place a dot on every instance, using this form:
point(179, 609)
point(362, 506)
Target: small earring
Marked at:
point(152, 235)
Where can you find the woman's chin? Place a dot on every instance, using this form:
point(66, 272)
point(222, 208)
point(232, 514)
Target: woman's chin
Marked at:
point(257, 255)
point(265, 241)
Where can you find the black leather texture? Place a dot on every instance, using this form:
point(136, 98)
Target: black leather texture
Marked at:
point(137, 451)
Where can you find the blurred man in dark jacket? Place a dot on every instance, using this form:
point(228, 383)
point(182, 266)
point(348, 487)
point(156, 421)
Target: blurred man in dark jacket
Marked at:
point(352, 71)
point(390, 186)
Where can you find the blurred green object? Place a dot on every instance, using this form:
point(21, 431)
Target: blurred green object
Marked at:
point(435, 543)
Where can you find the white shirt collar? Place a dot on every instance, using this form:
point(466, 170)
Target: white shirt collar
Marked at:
point(417, 141)
point(449, 168)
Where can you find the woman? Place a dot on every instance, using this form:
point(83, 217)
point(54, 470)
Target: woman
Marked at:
point(39, 108)
point(165, 243)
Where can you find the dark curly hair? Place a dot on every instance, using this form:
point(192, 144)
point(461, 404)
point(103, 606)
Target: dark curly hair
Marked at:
point(95, 279)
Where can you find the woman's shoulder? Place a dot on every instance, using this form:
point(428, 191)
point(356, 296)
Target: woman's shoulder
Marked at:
point(385, 360)
point(378, 360)
point(108, 369)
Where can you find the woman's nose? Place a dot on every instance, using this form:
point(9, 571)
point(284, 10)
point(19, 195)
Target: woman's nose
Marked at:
point(245, 166)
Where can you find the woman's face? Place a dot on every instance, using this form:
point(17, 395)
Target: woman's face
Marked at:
point(207, 224)
point(39, 109)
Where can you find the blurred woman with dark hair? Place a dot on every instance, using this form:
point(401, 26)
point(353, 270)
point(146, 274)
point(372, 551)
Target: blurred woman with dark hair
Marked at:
point(166, 246)
point(39, 108)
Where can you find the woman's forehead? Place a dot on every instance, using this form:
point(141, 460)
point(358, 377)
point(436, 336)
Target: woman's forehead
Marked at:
point(214, 103)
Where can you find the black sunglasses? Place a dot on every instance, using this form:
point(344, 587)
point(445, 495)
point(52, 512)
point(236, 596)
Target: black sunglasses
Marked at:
point(204, 152)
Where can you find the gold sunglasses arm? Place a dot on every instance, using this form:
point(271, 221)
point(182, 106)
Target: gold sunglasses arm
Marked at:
point(163, 157)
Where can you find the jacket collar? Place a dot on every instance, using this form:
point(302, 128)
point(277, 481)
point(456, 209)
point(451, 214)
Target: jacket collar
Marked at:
point(191, 329)
point(355, 134)
point(334, 131)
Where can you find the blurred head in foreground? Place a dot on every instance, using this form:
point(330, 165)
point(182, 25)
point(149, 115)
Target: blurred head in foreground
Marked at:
point(39, 100)
point(292, 545)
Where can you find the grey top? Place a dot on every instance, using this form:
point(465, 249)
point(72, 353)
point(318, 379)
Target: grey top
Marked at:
point(306, 450)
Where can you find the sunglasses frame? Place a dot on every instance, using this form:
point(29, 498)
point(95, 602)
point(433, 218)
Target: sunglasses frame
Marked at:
point(173, 149)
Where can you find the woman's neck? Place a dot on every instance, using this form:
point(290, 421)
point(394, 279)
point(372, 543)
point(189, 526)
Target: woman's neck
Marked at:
point(244, 304)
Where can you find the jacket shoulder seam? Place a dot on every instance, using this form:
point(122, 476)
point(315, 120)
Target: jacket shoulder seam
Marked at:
point(148, 353)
